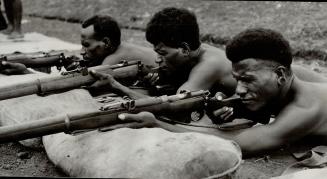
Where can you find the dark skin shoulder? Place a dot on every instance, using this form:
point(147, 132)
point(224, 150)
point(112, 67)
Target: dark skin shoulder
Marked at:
point(306, 74)
point(131, 52)
point(213, 68)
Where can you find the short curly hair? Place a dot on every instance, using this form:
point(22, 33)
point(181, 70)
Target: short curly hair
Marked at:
point(260, 43)
point(173, 26)
point(104, 26)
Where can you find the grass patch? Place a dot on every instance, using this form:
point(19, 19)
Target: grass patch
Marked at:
point(302, 23)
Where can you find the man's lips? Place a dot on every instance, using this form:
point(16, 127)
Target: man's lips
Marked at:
point(247, 100)
point(86, 58)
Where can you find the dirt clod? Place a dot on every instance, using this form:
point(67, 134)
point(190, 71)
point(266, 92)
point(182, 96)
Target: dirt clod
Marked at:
point(24, 155)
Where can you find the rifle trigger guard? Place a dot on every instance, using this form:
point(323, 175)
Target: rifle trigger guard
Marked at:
point(39, 87)
point(139, 67)
point(82, 70)
point(129, 105)
point(123, 63)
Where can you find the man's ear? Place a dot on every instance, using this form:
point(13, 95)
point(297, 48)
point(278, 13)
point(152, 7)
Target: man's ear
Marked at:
point(185, 48)
point(281, 74)
point(107, 42)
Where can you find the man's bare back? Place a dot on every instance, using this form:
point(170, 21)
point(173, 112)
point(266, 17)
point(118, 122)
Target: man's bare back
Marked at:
point(306, 74)
point(312, 98)
point(213, 71)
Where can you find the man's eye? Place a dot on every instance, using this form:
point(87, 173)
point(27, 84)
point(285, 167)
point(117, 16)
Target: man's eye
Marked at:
point(161, 53)
point(246, 80)
point(85, 44)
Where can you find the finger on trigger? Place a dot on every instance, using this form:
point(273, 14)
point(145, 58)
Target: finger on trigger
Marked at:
point(218, 112)
point(147, 76)
point(225, 114)
point(229, 116)
point(156, 80)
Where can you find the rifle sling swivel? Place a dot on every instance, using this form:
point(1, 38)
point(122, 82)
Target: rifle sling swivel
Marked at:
point(39, 87)
point(67, 124)
point(165, 119)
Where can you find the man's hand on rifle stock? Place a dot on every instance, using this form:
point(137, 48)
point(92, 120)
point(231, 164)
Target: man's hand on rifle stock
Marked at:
point(9, 68)
point(135, 121)
point(221, 114)
point(108, 81)
point(71, 63)
point(224, 113)
point(152, 78)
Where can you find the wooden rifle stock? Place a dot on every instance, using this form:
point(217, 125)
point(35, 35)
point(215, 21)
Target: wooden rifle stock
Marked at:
point(68, 80)
point(106, 116)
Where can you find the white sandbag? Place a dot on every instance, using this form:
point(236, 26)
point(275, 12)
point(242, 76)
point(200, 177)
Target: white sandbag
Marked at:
point(34, 107)
point(142, 153)
point(306, 174)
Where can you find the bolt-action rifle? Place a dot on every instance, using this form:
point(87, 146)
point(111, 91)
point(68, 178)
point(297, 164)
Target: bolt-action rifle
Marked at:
point(190, 104)
point(70, 79)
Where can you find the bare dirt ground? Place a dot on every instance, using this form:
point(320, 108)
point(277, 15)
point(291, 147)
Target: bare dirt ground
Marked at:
point(16, 160)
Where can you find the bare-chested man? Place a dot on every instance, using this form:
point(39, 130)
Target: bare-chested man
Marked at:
point(185, 62)
point(261, 60)
point(101, 45)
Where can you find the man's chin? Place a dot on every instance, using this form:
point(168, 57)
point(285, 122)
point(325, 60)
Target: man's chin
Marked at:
point(165, 72)
point(251, 105)
point(88, 59)
point(89, 62)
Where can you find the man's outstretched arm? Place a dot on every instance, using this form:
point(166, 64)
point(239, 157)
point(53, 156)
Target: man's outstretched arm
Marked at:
point(292, 124)
point(109, 81)
point(9, 68)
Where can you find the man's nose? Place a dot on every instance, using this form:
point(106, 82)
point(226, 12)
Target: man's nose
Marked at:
point(83, 51)
point(159, 60)
point(156, 47)
point(241, 89)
